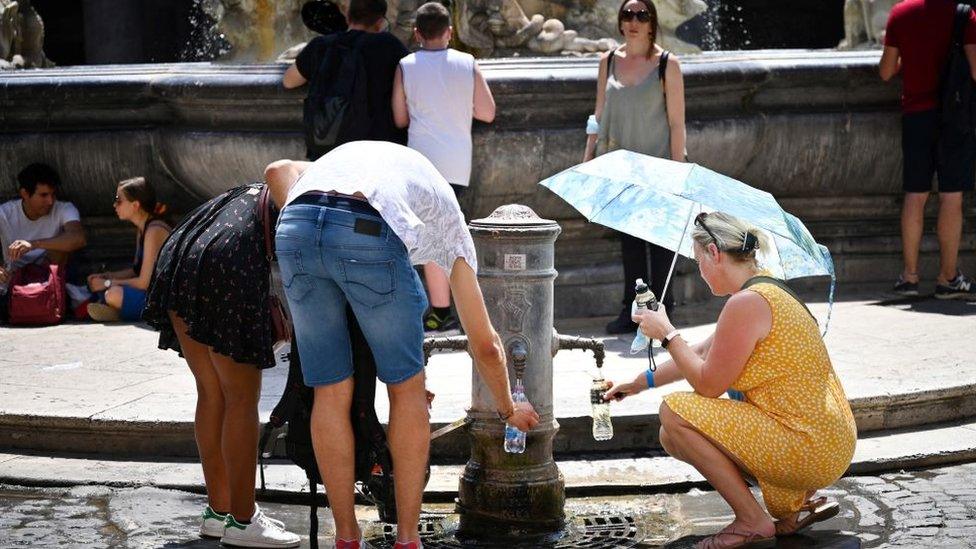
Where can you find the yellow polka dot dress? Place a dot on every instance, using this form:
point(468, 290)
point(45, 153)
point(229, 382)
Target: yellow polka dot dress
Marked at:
point(795, 432)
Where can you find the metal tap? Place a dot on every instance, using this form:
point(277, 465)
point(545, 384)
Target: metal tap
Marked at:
point(560, 342)
point(450, 343)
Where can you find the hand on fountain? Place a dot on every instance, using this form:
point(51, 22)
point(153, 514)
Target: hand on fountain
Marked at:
point(524, 417)
point(654, 324)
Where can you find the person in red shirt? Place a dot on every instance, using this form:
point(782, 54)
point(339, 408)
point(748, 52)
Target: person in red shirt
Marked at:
point(917, 42)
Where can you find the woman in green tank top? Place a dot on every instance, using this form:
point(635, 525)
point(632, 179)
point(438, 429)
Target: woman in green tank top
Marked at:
point(640, 107)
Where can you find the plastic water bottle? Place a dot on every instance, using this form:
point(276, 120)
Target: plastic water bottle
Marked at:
point(643, 301)
point(514, 438)
point(602, 426)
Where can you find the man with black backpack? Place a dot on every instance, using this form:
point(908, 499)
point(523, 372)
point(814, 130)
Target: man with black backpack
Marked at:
point(352, 224)
point(933, 44)
point(350, 78)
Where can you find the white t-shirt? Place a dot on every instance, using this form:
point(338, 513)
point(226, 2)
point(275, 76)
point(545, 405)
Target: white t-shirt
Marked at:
point(15, 225)
point(439, 85)
point(407, 191)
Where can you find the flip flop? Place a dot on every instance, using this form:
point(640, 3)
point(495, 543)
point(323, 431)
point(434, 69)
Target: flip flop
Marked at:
point(818, 510)
point(751, 540)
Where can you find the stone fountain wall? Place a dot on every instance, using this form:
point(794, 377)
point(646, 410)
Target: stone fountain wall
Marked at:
point(817, 129)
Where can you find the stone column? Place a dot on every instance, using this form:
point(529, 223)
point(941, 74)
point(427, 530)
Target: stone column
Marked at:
point(503, 494)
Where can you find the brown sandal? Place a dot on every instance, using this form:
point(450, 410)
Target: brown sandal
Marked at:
point(753, 540)
point(818, 510)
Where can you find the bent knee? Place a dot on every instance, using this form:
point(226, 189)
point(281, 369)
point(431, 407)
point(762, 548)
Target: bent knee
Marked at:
point(113, 297)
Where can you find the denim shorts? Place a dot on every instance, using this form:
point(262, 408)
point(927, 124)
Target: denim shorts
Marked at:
point(338, 251)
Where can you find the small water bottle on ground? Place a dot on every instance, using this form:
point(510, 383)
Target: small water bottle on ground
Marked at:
point(642, 301)
point(514, 438)
point(602, 426)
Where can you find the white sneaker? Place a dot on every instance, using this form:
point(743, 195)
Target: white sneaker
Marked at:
point(212, 523)
point(261, 532)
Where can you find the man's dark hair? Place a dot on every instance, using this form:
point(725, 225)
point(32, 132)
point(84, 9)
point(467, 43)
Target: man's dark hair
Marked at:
point(432, 20)
point(37, 173)
point(323, 17)
point(366, 12)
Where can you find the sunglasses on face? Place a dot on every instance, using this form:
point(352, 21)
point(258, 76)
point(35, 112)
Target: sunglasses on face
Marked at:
point(117, 201)
point(642, 16)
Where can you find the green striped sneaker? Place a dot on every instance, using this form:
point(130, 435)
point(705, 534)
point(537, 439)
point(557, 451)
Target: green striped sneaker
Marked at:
point(261, 532)
point(212, 524)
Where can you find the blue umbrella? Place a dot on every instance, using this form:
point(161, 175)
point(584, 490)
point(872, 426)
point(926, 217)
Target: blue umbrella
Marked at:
point(656, 200)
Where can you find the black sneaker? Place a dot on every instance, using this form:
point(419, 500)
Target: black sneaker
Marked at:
point(435, 323)
point(905, 288)
point(622, 324)
point(961, 287)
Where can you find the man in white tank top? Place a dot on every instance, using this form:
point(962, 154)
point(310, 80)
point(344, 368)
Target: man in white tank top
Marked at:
point(437, 91)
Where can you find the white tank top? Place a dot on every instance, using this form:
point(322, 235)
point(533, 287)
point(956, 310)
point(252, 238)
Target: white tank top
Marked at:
point(439, 85)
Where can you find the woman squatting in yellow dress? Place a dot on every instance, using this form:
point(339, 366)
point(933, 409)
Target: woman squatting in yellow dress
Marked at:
point(794, 433)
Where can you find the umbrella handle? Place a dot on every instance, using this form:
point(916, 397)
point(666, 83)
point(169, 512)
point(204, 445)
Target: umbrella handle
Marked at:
point(674, 260)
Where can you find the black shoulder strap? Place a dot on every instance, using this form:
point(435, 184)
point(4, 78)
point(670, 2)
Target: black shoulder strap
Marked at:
point(781, 285)
point(613, 53)
point(662, 67)
point(959, 24)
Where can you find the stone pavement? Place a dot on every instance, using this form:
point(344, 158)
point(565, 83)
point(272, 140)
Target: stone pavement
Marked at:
point(106, 389)
point(926, 508)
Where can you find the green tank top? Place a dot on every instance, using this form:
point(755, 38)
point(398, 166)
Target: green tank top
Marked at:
point(635, 117)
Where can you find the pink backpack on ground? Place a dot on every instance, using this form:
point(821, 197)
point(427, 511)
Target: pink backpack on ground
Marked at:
point(37, 295)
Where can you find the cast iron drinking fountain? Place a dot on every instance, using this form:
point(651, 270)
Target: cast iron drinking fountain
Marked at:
point(507, 499)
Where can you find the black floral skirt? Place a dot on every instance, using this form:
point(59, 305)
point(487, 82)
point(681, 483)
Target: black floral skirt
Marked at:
point(213, 272)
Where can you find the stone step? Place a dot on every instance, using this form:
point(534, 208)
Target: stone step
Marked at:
point(592, 475)
point(633, 432)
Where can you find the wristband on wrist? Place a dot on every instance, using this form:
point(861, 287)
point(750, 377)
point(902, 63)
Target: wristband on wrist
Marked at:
point(668, 338)
point(649, 376)
point(503, 416)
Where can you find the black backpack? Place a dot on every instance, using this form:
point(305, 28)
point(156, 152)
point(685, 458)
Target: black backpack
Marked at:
point(374, 465)
point(336, 109)
point(958, 97)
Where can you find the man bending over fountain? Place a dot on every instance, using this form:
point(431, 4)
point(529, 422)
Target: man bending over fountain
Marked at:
point(353, 225)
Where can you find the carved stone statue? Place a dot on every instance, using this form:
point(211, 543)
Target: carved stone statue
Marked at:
point(490, 26)
point(864, 23)
point(598, 19)
point(257, 29)
point(21, 36)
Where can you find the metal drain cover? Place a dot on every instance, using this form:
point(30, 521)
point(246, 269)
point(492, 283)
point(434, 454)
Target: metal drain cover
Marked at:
point(592, 531)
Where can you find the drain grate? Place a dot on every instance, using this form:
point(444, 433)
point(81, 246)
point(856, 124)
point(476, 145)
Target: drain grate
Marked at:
point(589, 531)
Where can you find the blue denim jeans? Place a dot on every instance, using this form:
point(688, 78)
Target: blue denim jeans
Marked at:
point(336, 251)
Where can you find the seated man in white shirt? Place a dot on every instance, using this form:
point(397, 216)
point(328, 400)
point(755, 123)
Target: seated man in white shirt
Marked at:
point(352, 226)
point(37, 223)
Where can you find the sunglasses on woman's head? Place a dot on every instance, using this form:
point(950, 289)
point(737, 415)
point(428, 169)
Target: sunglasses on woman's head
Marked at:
point(700, 221)
point(643, 16)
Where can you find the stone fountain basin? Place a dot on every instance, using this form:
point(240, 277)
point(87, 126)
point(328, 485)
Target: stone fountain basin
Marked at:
point(818, 129)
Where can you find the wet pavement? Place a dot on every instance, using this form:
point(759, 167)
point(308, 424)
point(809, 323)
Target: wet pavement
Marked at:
point(928, 508)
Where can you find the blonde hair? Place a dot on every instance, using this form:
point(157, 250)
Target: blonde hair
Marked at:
point(731, 235)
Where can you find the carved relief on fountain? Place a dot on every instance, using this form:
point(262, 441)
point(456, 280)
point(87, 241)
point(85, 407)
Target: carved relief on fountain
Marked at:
point(21, 36)
point(259, 29)
point(864, 23)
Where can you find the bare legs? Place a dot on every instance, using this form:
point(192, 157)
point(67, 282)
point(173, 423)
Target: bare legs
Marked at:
point(226, 424)
point(949, 229)
point(409, 441)
point(680, 439)
point(334, 446)
point(409, 444)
